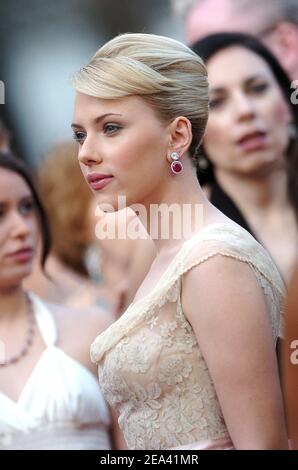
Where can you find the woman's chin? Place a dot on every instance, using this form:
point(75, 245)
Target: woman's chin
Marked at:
point(111, 205)
point(14, 281)
point(261, 166)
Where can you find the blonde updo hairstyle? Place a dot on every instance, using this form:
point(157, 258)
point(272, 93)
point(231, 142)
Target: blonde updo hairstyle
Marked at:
point(163, 71)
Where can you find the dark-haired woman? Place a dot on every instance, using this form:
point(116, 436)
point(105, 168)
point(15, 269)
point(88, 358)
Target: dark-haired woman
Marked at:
point(49, 396)
point(249, 156)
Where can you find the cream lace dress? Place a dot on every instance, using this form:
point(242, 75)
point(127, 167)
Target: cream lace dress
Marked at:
point(150, 366)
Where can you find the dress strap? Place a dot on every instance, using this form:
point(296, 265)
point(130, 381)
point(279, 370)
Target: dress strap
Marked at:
point(45, 320)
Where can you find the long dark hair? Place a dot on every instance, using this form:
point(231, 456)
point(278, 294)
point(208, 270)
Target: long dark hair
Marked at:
point(212, 44)
point(9, 162)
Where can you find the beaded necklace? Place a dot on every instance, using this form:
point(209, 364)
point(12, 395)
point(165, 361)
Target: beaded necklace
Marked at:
point(29, 338)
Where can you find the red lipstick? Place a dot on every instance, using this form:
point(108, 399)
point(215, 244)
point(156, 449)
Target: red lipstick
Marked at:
point(23, 255)
point(98, 181)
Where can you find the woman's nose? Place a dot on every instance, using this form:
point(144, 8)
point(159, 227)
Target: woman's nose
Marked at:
point(244, 107)
point(20, 226)
point(88, 156)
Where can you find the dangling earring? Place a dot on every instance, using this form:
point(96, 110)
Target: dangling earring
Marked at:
point(176, 165)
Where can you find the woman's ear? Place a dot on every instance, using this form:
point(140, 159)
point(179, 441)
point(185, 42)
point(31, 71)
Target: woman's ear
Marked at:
point(180, 134)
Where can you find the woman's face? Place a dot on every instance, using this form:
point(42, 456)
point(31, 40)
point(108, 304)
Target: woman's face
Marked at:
point(122, 148)
point(18, 229)
point(247, 131)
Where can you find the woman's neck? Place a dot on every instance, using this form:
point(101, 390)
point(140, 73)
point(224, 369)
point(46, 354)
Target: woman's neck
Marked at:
point(256, 194)
point(67, 280)
point(184, 208)
point(13, 303)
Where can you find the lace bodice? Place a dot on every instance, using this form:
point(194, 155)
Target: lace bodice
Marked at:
point(150, 366)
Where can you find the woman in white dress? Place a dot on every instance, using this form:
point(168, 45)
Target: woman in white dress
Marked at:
point(191, 362)
point(49, 396)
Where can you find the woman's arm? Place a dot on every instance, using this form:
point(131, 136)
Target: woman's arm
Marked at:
point(226, 308)
point(118, 440)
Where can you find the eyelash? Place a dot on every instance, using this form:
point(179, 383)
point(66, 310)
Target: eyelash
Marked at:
point(80, 136)
point(259, 88)
point(24, 208)
point(115, 126)
point(215, 103)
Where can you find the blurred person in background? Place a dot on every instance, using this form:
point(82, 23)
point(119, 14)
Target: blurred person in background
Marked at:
point(83, 270)
point(251, 142)
point(118, 251)
point(49, 396)
point(275, 22)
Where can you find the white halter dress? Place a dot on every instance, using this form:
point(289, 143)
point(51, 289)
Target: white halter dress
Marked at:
point(61, 405)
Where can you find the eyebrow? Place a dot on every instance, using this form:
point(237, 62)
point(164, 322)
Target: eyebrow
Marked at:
point(248, 81)
point(28, 197)
point(97, 119)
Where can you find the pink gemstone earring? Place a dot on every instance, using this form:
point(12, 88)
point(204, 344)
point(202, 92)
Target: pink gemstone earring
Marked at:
point(176, 165)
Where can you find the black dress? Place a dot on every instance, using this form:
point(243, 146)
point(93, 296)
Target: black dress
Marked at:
point(225, 204)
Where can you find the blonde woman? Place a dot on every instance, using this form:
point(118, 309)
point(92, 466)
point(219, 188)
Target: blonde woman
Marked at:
point(191, 362)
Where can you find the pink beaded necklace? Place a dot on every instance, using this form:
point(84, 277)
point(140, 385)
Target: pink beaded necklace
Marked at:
point(29, 338)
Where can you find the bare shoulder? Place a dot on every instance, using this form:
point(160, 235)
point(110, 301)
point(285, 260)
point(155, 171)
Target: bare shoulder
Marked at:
point(219, 284)
point(225, 305)
point(90, 320)
point(77, 329)
point(219, 268)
